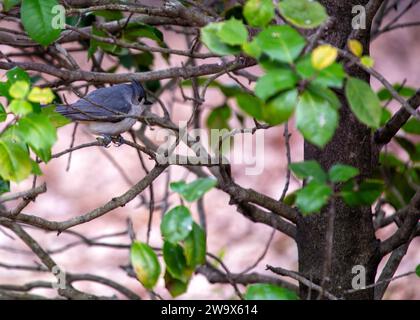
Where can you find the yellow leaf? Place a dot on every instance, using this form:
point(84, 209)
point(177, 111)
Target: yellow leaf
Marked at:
point(355, 47)
point(323, 56)
point(367, 61)
point(43, 96)
point(19, 89)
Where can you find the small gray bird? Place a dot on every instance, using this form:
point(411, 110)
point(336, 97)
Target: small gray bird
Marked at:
point(104, 109)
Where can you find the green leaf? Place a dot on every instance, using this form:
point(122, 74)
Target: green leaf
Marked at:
point(273, 82)
point(3, 114)
point(259, 13)
point(331, 76)
point(195, 247)
point(364, 194)
point(176, 224)
point(20, 107)
point(56, 119)
point(250, 105)
point(141, 30)
point(313, 197)
point(15, 164)
point(403, 91)
point(109, 15)
point(36, 170)
point(281, 43)
point(363, 102)
point(9, 4)
point(37, 18)
point(385, 117)
point(280, 108)
point(418, 271)
point(316, 119)
point(233, 32)
point(194, 190)
point(252, 49)
point(412, 126)
point(95, 44)
point(37, 131)
point(265, 291)
point(4, 186)
point(219, 118)
point(367, 61)
point(174, 286)
point(210, 37)
point(145, 264)
point(17, 74)
point(4, 90)
point(309, 169)
point(342, 173)
point(174, 258)
point(303, 13)
point(326, 94)
point(19, 89)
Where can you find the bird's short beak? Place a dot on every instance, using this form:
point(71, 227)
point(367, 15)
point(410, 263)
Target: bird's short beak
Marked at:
point(147, 102)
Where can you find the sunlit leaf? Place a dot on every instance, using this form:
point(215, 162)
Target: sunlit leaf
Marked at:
point(323, 56)
point(20, 107)
point(367, 61)
point(39, 95)
point(15, 164)
point(355, 47)
point(19, 89)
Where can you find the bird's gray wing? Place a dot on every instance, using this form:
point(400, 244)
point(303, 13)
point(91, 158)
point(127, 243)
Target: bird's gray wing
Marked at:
point(100, 104)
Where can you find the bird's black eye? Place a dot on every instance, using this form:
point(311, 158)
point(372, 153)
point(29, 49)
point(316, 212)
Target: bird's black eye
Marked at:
point(140, 98)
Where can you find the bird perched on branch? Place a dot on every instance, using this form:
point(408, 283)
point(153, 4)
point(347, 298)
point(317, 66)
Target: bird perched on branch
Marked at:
point(109, 111)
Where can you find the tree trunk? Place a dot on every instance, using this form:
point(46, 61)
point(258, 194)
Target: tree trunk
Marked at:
point(354, 242)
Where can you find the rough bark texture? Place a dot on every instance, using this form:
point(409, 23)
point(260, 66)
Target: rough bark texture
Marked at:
point(354, 241)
